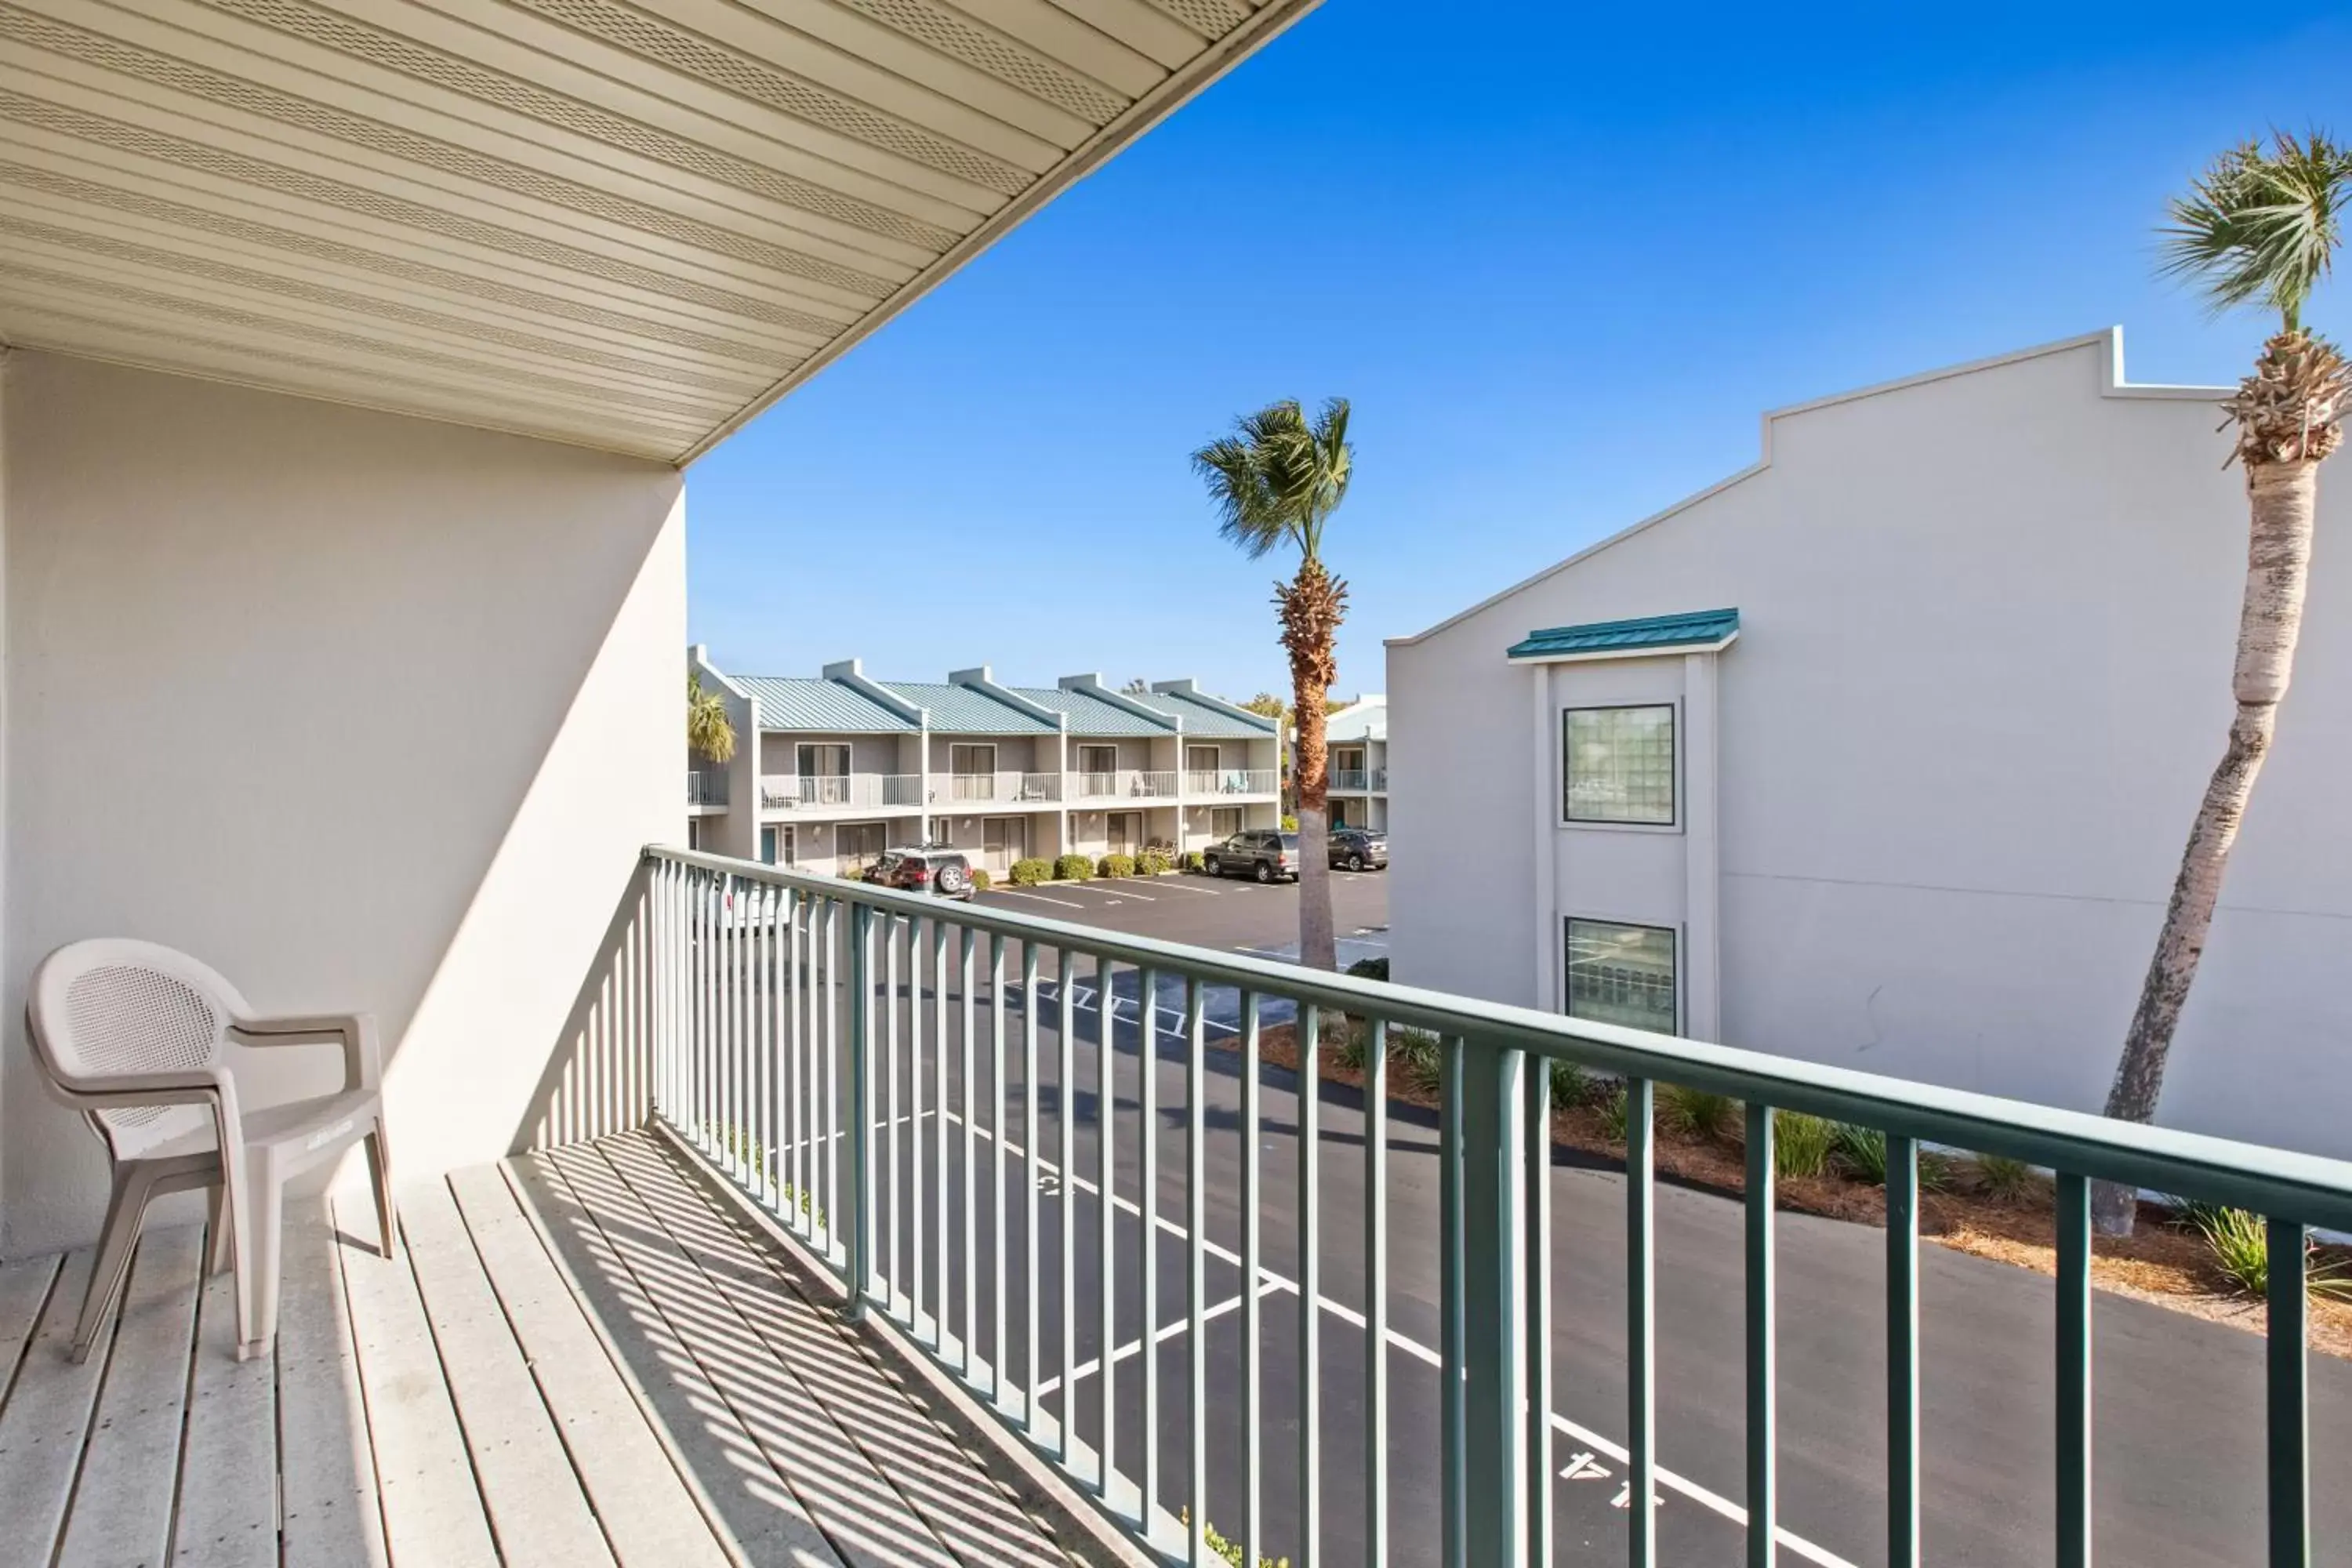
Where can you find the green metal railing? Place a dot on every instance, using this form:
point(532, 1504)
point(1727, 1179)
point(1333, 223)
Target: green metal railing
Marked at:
point(789, 1013)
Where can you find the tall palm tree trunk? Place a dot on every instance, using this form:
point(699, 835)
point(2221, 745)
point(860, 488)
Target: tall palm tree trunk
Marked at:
point(2287, 417)
point(1311, 606)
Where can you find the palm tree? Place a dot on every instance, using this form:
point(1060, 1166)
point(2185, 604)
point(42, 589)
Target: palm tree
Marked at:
point(709, 733)
point(2259, 227)
point(1275, 481)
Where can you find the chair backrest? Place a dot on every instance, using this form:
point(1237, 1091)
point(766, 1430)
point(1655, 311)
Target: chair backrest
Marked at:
point(107, 1008)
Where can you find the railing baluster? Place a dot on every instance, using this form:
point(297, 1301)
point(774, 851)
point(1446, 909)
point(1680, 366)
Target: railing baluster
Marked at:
point(998, 1335)
point(1308, 1041)
point(968, 1177)
point(1538, 1273)
point(1106, 1216)
point(1034, 1301)
point(1454, 1410)
point(2288, 1408)
point(943, 1283)
point(764, 1151)
point(1763, 1374)
point(1064, 1099)
point(831, 1204)
point(915, 1194)
point(1640, 1326)
point(1376, 1296)
point(1196, 1265)
point(2073, 1206)
point(1902, 1353)
point(1148, 1095)
point(861, 1060)
point(1252, 1295)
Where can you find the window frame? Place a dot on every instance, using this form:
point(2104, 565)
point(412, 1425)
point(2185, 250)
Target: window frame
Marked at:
point(1673, 820)
point(1673, 936)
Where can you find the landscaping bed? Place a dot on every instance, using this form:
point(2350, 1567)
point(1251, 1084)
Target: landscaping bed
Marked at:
point(1994, 1209)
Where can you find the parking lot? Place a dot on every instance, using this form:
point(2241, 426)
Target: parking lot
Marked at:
point(1231, 914)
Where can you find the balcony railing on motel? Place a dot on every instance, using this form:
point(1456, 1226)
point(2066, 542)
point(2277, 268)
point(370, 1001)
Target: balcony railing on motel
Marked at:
point(1017, 789)
point(780, 792)
point(1127, 784)
point(935, 1099)
point(1358, 781)
point(1231, 781)
point(706, 786)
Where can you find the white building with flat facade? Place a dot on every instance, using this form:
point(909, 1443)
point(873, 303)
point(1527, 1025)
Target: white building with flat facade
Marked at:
point(1882, 754)
point(1357, 738)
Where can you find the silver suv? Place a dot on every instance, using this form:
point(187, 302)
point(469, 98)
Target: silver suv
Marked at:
point(1255, 852)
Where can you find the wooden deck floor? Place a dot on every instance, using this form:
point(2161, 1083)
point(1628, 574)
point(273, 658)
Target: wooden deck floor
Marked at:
point(576, 1357)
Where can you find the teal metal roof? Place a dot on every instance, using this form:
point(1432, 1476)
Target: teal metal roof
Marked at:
point(961, 711)
point(1207, 720)
point(1692, 628)
point(1090, 715)
point(791, 703)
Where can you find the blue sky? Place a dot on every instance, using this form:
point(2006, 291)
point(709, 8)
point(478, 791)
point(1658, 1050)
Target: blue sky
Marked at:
point(1560, 258)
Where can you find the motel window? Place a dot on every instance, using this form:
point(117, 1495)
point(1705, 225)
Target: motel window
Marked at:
point(1622, 974)
point(1618, 764)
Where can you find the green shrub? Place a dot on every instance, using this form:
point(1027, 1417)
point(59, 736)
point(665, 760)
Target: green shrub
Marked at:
point(1862, 1150)
point(1801, 1144)
point(1230, 1551)
point(1116, 865)
point(1696, 1112)
point(1195, 861)
point(1615, 1112)
point(979, 881)
point(1289, 824)
point(1151, 863)
point(1073, 868)
point(1416, 1055)
point(1570, 1084)
point(851, 873)
point(1030, 871)
point(1369, 968)
point(1353, 1047)
point(2240, 1244)
point(2004, 1178)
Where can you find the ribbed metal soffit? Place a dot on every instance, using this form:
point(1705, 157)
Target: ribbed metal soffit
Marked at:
point(629, 226)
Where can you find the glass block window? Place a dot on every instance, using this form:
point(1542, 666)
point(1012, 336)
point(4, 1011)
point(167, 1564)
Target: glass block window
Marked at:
point(1619, 764)
point(1622, 974)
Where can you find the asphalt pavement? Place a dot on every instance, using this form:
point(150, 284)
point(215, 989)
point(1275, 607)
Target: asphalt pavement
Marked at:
point(2180, 1442)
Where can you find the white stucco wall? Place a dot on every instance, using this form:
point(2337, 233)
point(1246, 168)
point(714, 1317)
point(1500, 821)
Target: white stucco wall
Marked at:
point(367, 713)
point(1982, 674)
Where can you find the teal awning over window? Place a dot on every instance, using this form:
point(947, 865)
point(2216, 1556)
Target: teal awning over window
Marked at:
point(1693, 629)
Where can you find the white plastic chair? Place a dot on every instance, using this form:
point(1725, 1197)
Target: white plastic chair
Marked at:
point(134, 1035)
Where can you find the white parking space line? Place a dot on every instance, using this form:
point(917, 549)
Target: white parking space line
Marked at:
point(1174, 884)
point(1128, 1351)
point(1017, 893)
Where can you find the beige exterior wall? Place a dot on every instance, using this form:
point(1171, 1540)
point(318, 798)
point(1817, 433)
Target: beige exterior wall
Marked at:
point(418, 688)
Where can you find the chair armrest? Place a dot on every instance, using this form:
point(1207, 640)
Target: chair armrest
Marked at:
point(363, 1058)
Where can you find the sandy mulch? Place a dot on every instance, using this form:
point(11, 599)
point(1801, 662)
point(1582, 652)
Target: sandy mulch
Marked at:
point(2160, 1263)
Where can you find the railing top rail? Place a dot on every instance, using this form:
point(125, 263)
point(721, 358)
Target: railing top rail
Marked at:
point(2309, 1188)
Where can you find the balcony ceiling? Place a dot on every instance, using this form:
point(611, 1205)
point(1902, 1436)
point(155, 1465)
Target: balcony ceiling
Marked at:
point(630, 226)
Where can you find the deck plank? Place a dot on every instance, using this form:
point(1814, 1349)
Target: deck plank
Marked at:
point(737, 1316)
point(229, 1464)
point(327, 1467)
point(646, 1508)
point(950, 1488)
point(537, 1510)
point(719, 1407)
point(132, 1463)
point(46, 1420)
point(424, 1478)
point(24, 1290)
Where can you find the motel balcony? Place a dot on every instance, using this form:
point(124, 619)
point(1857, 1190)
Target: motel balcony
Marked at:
point(1360, 781)
point(354, 356)
point(1230, 782)
point(1012, 789)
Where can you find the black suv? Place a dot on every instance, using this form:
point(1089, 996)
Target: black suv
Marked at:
point(1261, 853)
point(924, 869)
point(1357, 848)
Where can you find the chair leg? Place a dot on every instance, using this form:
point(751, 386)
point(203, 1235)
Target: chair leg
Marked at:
point(220, 1232)
point(379, 1158)
point(125, 1207)
point(265, 1215)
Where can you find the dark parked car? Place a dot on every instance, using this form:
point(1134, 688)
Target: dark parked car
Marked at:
point(1359, 849)
point(926, 869)
point(1261, 853)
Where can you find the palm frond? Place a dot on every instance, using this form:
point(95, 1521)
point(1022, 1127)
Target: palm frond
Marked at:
point(2261, 227)
point(1246, 509)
